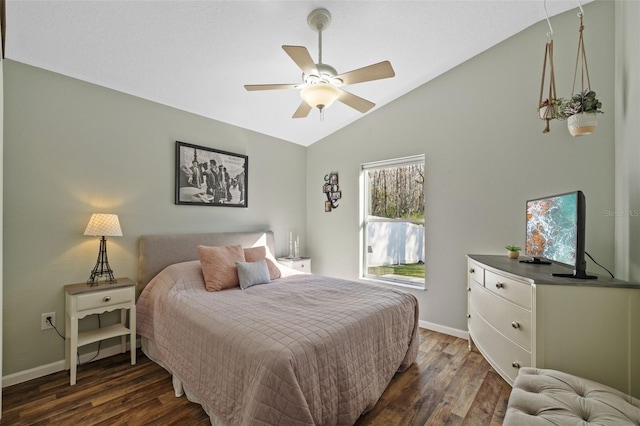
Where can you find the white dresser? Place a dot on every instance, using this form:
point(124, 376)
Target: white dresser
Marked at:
point(521, 316)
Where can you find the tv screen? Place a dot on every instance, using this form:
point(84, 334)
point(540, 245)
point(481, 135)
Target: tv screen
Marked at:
point(552, 228)
point(555, 231)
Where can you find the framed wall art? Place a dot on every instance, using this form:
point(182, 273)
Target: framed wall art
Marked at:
point(210, 177)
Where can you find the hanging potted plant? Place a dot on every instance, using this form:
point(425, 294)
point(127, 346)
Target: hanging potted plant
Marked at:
point(582, 108)
point(581, 112)
point(548, 109)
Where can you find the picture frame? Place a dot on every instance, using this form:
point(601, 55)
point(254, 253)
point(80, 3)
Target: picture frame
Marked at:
point(197, 185)
point(332, 191)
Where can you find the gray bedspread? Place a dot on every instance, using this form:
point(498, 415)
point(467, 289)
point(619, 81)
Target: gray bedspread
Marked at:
point(301, 350)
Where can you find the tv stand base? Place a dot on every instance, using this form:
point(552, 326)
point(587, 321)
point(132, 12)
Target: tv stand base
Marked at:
point(579, 275)
point(536, 261)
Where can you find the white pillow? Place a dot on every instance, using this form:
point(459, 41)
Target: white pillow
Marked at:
point(253, 273)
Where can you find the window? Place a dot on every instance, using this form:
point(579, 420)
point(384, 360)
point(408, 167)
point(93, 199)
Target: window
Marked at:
point(392, 214)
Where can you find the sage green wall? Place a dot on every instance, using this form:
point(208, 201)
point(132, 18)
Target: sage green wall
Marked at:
point(73, 148)
point(627, 172)
point(485, 156)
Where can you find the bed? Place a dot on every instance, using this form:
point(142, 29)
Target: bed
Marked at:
point(301, 350)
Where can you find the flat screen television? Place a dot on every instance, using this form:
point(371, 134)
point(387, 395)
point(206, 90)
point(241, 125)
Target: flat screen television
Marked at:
point(555, 232)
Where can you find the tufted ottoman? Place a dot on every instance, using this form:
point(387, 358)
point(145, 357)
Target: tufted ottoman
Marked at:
point(550, 397)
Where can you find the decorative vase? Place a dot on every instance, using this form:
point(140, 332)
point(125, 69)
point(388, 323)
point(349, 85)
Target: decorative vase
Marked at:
point(513, 254)
point(582, 124)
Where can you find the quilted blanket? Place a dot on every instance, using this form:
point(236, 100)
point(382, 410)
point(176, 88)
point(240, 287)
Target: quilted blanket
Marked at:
point(301, 350)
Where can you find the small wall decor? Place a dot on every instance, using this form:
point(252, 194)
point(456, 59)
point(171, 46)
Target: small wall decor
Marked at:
point(332, 191)
point(209, 177)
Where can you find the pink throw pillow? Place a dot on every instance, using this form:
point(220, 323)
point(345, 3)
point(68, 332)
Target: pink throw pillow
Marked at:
point(255, 254)
point(219, 266)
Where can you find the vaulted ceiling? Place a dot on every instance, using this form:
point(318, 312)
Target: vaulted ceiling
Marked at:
point(197, 55)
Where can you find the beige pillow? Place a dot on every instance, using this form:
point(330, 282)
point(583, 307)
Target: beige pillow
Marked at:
point(219, 266)
point(254, 254)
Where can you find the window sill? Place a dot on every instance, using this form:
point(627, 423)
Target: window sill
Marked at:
point(394, 283)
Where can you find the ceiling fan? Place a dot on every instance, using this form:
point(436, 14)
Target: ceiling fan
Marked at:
point(321, 84)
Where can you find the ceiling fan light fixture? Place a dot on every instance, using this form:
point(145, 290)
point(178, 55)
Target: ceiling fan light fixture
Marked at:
point(321, 83)
point(320, 95)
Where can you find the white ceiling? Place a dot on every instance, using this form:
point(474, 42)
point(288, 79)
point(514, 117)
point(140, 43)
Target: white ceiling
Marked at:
point(197, 55)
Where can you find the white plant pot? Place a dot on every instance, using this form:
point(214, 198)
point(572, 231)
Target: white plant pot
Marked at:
point(547, 112)
point(582, 124)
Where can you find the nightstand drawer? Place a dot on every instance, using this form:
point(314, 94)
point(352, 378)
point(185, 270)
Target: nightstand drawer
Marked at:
point(103, 298)
point(302, 264)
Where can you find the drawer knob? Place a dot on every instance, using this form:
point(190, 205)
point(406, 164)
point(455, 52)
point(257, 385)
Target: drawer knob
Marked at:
point(499, 285)
point(515, 324)
point(106, 298)
point(515, 364)
point(472, 271)
point(468, 288)
point(468, 315)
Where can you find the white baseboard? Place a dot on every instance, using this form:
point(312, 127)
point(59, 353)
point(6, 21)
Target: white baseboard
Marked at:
point(54, 367)
point(444, 329)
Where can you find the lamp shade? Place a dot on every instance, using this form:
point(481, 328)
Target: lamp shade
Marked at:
point(320, 95)
point(104, 225)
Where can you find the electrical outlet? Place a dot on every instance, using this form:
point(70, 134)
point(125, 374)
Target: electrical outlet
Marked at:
point(43, 320)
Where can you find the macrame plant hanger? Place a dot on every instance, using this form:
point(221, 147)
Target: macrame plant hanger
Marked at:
point(547, 108)
point(581, 58)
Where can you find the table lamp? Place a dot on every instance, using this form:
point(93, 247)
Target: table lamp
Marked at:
point(103, 225)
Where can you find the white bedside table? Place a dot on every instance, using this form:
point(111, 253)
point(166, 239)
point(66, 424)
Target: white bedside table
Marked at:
point(302, 264)
point(82, 300)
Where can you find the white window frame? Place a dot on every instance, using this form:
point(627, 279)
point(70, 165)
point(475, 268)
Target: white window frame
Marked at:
point(364, 220)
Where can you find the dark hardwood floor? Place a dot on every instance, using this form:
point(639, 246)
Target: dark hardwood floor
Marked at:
point(448, 385)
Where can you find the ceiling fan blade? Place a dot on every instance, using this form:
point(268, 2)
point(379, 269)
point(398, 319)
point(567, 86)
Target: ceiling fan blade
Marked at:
point(252, 87)
point(302, 111)
point(302, 58)
point(355, 102)
point(372, 72)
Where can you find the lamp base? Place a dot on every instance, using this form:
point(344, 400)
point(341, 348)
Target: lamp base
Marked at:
point(95, 277)
point(102, 268)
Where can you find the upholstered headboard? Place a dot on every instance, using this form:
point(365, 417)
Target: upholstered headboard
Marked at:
point(159, 251)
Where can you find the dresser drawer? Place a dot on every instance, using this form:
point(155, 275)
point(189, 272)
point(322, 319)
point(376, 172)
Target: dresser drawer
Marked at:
point(503, 355)
point(512, 321)
point(103, 298)
point(476, 272)
point(514, 291)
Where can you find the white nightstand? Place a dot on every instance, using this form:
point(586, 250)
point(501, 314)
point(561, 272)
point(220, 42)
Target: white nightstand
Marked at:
point(302, 264)
point(82, 300)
